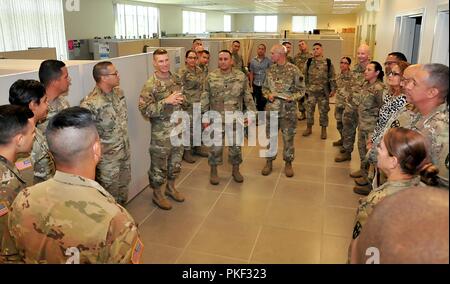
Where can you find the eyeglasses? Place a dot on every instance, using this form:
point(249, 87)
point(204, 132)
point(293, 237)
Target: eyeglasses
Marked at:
point(406, 81)
point(392, 73)
point(112, 74)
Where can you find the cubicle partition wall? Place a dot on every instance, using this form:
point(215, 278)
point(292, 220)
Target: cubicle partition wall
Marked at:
point(134, 71)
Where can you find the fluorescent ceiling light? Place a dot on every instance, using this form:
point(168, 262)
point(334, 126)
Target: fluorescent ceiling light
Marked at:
point(361, 1)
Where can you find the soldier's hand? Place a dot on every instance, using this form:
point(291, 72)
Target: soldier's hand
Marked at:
point(174, 99)
point(271, 98)
point(332, 94)
point(205, 125)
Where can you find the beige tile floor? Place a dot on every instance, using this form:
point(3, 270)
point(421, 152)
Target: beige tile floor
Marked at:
point(301, 220)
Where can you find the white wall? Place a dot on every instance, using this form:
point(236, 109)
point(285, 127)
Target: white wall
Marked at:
point(385, 21)
point(244, 22)
point(96, 18)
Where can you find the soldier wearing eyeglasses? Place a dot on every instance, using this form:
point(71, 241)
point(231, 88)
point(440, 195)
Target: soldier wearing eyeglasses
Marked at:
point(107, 103)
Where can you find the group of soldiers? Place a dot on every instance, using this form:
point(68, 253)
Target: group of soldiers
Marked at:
point(80, 156)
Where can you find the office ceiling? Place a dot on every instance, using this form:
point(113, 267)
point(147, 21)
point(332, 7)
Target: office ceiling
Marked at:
point(271, 6)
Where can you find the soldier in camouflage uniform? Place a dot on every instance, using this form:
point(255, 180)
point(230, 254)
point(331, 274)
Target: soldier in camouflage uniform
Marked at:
point(203, 61)
point(16, 136)
point(193, 83)
point(31, 93)
point(226, 89)
point(369, 102)
point(431, 115)
point(85, 225)
point(402, 175)
point(238, 61)
point(108, 104)
point(283, 87)
point(344, 88)
point(320, 85)
point(160, 97)
point(288, 46)
point(300, 61)
point(350, 115)
point(54, 75)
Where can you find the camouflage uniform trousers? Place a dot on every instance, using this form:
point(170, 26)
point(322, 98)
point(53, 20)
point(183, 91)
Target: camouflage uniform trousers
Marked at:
point(302, 104)
point(349, 123)
point(165, 161)
point(287, 122)
point(338, 114)
point(363, 136)
point(191, 130)
point(323, 100)
point(114, 174)
point(216, 153)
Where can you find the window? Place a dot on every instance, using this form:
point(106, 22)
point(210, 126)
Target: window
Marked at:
point(301, 24)
point(265, 24)
point(136, 21)
point(31, 23)
point(194, 22)
point(227, 23)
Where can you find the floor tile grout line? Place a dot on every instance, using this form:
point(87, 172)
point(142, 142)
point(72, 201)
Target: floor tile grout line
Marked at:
point(202, 222)
point(218, 255)
point(265, 215)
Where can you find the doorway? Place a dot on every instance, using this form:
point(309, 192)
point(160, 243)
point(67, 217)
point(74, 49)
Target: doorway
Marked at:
point(408, 33)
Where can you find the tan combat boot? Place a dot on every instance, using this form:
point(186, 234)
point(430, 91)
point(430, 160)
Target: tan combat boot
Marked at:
point(356, 174)
point(172, 192)
point(342, 157)
point(267, 168)
point(237, 175)
point(362, 181)
point(323, 134)
point(214, 178)
point(187, 157)
point(337, 143)
point(160, 200)
point(201, 151)
point(363, 190)
point(288, 169)
point(308, 130)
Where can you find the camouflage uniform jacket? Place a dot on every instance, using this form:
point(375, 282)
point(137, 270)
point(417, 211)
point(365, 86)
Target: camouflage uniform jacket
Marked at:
point(283, 81)
point(111, 114)
point(319, 80)
point(227, 92)
point(358, 82)
point(300, 60)
point(54, 107)
point(369, 103)
point(435, 128)
point(153, 107)
point(193, 85)
point(367, 204)
point(205, 70)
point(290, 59)
point(344, 84)
point(238, 63)
point(44, 166)
point(11, 183)
point(69, 211)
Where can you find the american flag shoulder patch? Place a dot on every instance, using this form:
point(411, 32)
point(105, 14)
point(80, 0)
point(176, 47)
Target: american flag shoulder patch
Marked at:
point(137, 252)
point(3, 209)
point(25, 164)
